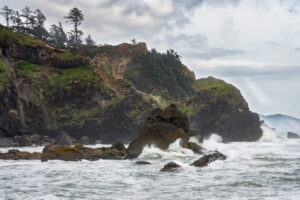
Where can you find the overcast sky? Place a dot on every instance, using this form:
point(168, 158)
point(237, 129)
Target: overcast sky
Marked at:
point(254, 44)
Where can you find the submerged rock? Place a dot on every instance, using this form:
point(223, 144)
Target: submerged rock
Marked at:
point(170, 167)
point(20, 155)
point(79, 152)
point(292, 135)
point(205, 160)
point(143, 163)
point(162, 128)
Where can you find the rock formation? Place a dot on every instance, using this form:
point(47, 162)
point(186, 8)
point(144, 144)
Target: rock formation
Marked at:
point(79, 152)
point(219, 107)
point(206, 159)
point(170, 167)
point(162, 128)
point(20, 155)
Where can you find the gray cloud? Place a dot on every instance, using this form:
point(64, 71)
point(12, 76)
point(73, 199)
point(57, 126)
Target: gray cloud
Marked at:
point(210, 53)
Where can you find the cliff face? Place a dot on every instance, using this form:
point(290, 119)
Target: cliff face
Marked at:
point(45, 91)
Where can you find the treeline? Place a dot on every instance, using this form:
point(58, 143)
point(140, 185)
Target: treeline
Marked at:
point(32, 23)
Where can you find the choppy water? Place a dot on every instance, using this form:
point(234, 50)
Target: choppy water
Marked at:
point(267, 169)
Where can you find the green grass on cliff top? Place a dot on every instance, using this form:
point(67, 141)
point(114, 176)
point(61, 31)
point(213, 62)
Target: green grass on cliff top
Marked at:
point(3, 74)
point(82, 74)
point(217, 86)
point(9, 36)
point(67, 56)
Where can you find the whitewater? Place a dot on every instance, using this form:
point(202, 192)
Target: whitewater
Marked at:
point(266, 169)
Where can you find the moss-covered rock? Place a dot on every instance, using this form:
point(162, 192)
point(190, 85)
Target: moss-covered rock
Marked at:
point(20, 155)
point(79, 152)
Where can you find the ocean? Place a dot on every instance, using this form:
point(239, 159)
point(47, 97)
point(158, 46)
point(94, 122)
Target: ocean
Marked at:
point(266, 169)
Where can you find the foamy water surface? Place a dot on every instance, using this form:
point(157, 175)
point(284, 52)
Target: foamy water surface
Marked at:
point(267, 169)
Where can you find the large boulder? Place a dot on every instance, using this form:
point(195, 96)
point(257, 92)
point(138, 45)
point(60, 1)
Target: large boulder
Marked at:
point(292, 135)
point(64, 139)
point(20, 155)
point(205, 160)
point(162, 128)
point(79, 152)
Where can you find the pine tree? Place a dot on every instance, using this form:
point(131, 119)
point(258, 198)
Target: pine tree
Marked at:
point(89, 42)
point(58, 37)
point(75, 17)
point(38, 28)
point(7, 14)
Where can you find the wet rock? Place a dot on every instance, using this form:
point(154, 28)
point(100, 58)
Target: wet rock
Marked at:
point(195, 147)
point(170, 167)
point(162, 128)
point(20, 155)
point(143, 163)
point(25, 141)
point(119, 146)
point(64, 139)
point(205, 160)
point(84, 140)
point(291, 135)
point(79, 152)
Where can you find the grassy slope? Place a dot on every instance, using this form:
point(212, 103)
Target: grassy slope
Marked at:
point(10, 36)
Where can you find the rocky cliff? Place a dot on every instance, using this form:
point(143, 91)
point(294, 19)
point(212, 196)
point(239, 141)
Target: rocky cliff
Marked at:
point(45, 91)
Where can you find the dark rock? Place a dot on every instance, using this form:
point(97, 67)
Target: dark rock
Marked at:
point(20, 155)
point(292, 135)
point(143, 163)
point(205, 160)
point(25, 140)
point(170, 167)
point(79, 152)
point(119, 146)
point(195, 147)
point(84, 140)
point(162, 128)
point(64, 139)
